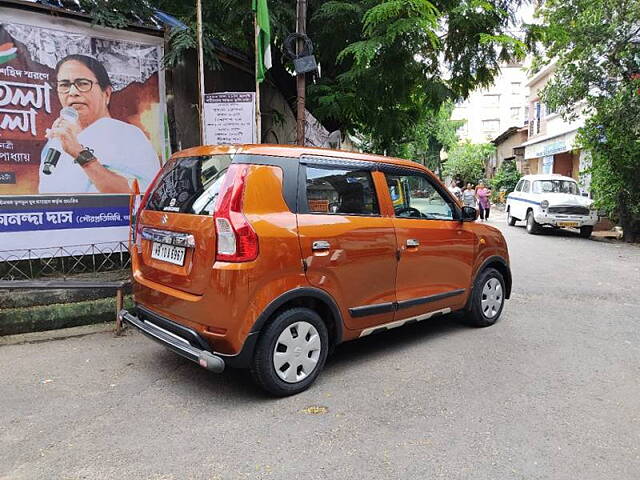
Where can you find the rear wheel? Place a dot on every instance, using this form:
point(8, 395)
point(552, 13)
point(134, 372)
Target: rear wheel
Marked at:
point(533, 227)
point(291, 352)
point(487, 298)
point(511, 221)
point(586, 231)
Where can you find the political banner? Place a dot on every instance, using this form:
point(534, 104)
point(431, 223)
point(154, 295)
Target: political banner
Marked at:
point(82, 113)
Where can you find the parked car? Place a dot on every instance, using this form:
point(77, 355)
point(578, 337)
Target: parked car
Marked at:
point(267, 257)
point(550, 200)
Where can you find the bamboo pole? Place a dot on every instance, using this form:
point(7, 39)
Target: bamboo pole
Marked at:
point(200, 69)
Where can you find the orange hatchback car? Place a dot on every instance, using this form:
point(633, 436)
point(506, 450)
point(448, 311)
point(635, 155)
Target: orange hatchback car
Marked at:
point(267, 257)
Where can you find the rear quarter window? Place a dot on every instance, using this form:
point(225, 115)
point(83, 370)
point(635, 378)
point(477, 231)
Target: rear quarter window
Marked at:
point(188, 184)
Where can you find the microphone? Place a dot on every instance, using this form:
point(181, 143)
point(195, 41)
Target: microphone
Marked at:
point(55, 145)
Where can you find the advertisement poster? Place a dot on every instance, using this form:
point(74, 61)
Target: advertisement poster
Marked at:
point(230, 118)
point(81, 117)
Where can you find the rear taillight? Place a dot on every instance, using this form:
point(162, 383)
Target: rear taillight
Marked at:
point(236, 239)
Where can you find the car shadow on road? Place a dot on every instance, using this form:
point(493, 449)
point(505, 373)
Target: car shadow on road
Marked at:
point(386, 343)
point(236, 385)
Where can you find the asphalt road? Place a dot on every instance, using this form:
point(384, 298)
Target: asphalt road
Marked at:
point(550, 392)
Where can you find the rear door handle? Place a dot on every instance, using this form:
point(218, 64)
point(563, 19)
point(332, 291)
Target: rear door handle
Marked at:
point(412, 242)
point(320, 245)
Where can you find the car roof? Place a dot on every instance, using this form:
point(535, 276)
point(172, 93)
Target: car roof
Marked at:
point(294, 151)
point(547, 176)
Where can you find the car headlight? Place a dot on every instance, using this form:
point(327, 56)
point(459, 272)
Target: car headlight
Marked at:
point(544, 204)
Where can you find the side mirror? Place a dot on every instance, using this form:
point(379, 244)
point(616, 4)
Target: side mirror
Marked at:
point(469, 214)
point(585, 194)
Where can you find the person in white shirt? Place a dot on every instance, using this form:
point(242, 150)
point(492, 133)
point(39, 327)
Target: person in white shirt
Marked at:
point(101, 154)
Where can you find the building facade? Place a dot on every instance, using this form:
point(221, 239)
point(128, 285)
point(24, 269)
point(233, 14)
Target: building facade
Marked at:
point(551, 144)
point(489, 112)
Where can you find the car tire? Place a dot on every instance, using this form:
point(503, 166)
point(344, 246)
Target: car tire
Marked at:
point(284, 363)
point(487, 298)
point(586, 231)
point(511, 221)
point(533, 227)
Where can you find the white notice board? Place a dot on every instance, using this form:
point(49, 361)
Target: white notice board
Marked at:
point(229, 118)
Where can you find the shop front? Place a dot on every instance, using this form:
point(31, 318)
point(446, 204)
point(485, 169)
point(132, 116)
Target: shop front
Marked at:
point(552, 154)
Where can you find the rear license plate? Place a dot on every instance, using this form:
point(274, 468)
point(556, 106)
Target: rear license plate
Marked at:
point(168, 253)
point(567, 224)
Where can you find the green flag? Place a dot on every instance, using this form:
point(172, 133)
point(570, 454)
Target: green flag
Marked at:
point(264, 38)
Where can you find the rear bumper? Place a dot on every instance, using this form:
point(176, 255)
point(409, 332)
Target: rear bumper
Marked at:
point(175, 342)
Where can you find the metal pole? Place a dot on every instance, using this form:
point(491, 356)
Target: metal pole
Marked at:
point(200, 70)
point(258, 113)
point(301, 14)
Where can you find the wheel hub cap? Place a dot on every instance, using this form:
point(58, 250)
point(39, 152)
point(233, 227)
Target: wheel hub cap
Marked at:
point(492, 298)
point(297, 352)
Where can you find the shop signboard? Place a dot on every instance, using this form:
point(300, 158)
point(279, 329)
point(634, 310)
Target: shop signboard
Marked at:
point(82, 113)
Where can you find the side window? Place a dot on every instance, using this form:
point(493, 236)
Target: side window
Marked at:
point(526, 186)
point(414, 196)
point(519, 186)
point(341, 191)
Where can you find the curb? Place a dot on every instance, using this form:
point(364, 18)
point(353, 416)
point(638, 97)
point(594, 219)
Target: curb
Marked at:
point(14, 321)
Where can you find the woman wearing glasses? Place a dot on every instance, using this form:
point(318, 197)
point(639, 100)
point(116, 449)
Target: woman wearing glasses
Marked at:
point(101, 154)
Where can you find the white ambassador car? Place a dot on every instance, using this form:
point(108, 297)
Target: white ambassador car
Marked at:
point(552, 200)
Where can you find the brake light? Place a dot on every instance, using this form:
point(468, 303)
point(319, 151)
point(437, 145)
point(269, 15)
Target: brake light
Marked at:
point(236, 239)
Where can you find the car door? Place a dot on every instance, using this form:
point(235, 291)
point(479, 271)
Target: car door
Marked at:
point(348, 247)
point(436, 249)
point(515, 202)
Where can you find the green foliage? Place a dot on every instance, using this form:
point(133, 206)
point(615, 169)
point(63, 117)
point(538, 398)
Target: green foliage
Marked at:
point(433, 133)
point(506, 177)
point(612, 135)
point(597, 46)
point(467, 160)
point(387, 62)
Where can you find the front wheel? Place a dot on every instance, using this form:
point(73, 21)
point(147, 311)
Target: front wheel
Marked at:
point(487, 298)
point(586, 231)
point(533, 227)
point(511, 221)
point(291, 352)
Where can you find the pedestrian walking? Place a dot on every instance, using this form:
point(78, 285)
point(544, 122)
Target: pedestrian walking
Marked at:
point(456, 190)
point(484, 203)
point(469, 196)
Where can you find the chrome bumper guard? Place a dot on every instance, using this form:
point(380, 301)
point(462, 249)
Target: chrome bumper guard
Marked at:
point(174, 342)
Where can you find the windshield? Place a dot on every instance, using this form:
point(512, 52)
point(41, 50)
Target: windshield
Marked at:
point(556, 186)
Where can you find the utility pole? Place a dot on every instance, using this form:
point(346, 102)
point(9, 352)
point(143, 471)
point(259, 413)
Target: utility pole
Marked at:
point(301, 28)
point(200, 70)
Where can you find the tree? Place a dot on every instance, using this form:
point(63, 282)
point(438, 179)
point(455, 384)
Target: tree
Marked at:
point(433, 133)
point(597, 46)
point(506, 177)
point(385, 62)
point(466, 161)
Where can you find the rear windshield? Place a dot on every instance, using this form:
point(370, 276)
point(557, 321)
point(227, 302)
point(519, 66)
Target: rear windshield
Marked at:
point(189, 184)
